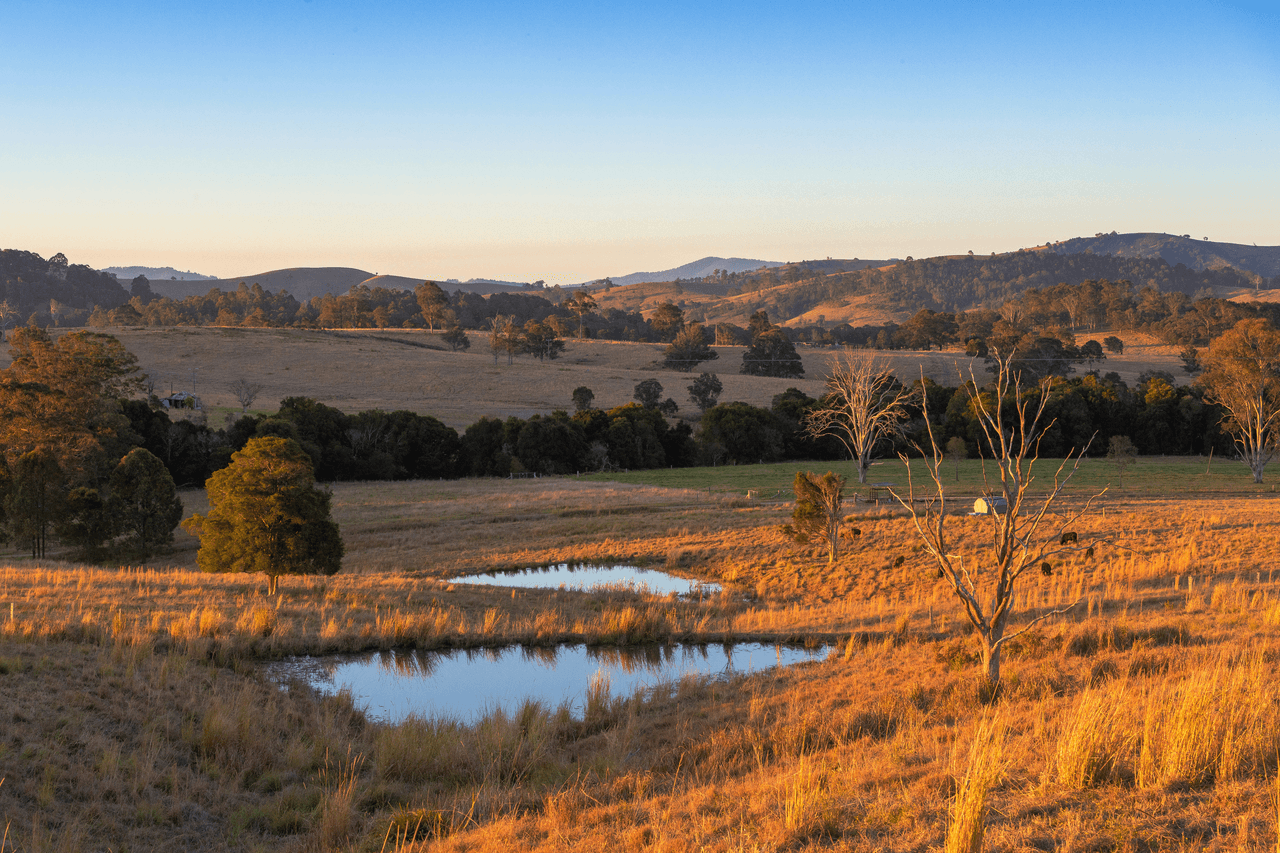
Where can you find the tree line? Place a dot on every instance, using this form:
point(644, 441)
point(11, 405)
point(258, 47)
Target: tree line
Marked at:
point(87, 458)
point(1159, 416)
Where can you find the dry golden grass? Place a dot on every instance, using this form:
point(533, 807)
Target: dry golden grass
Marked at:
point(983, 770)
point(1143, 719)
point(389, 369)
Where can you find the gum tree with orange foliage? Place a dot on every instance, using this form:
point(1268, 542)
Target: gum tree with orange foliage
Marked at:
point(1243, 377)
point(61, 425)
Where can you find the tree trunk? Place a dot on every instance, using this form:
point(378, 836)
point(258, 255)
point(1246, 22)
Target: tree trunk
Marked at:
point(1256, 467)
point(863, 465)
point(992, 650)
point(272, 583)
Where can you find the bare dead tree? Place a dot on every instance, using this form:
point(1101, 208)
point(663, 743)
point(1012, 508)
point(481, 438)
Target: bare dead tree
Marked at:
point(1024, 536)
point(245, 393)
point(863, 404)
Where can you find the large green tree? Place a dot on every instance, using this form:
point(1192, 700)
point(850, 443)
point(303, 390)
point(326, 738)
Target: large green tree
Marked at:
point(689, 349)
point(772, 354)
point(144, 502)
point(667, 321)
point(433, 302)
point(266, 515)
point(34, 498)
point(540, 340)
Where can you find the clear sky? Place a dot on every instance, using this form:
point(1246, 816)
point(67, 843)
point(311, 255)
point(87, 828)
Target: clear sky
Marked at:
point(569, 141)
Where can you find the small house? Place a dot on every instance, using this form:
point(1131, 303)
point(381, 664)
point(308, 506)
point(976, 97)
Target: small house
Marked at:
point(182, 400)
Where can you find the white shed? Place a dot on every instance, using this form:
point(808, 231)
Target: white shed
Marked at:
point(990, 505)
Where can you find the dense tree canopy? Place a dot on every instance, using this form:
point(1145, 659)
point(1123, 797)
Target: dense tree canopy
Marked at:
point(772, 354)
point(266, 515)
point(143, 502)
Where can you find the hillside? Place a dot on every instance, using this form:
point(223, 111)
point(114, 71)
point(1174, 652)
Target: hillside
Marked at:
point(804, 294)
point(697, 269)
point(1194, 254)
point(126, 274)
point(304, 283)
point(52, 290)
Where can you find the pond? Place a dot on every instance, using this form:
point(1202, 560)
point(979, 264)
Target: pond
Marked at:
point(468, 683)
point(588, 578)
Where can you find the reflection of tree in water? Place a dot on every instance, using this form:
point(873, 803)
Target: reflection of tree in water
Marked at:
point(651, 657)
point(544, 655)
point(408, 663)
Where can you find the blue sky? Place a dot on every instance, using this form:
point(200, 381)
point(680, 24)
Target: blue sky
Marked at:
point(566, 141)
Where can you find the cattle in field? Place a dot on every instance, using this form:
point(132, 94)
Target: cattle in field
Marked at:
point(1068, 538)
point(1046, 569)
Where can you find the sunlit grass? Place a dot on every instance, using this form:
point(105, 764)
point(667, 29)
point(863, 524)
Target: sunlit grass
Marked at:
point(1145, 711)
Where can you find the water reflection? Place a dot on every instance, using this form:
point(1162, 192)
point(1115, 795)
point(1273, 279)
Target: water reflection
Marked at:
point(466, 683)
point(591, 578)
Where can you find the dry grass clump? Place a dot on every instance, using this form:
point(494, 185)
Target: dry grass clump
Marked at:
point(967, 825)
point(1096, 740)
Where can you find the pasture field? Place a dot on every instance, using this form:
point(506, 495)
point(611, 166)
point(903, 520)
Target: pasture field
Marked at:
point(391, 369)
point(1147, 477)
point(1143, 717)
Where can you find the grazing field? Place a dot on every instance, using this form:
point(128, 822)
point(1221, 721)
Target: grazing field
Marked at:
point(1147, 477)
point(398, 369)
point(1142, 718)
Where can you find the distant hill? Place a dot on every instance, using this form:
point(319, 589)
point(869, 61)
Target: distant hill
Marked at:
point(1194, 254)
point(807, 293)
point(304, 283)
point(473, 285)
point(152, 273)
point(52, 290)
point(697, 269)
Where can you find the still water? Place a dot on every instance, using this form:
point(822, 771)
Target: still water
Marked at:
point(587, 578)
point(467, 683)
